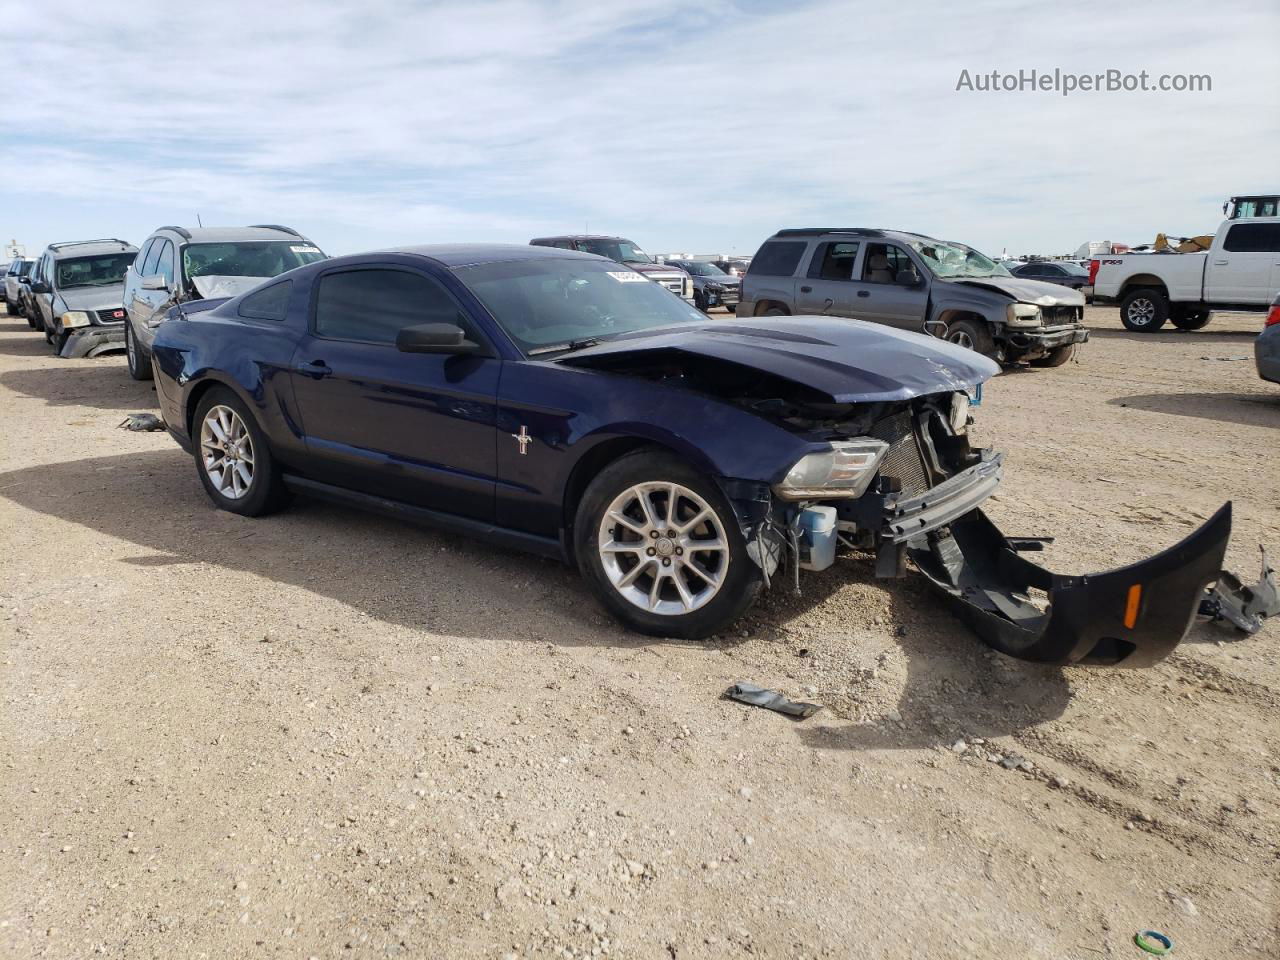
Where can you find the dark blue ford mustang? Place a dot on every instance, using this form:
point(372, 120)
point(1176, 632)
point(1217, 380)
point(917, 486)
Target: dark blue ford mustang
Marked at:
point(564, 404)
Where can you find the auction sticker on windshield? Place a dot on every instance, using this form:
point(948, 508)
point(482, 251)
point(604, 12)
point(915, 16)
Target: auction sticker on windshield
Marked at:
point(305, 249)
point(629, 276)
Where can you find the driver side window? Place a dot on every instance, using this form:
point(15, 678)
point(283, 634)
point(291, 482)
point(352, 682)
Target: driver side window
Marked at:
point(373, 305)
point(883, 263)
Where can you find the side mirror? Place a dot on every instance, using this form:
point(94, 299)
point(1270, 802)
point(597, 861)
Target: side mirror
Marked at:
point(38, 286)
point(26, 280)
point(906, 278)
point(155, 282)
point(434, 338)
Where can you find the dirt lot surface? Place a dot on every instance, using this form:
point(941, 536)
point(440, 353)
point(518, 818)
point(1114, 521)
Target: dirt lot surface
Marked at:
point(325, 734)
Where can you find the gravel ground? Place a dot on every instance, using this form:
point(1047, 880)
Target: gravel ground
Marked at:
point(325, 734)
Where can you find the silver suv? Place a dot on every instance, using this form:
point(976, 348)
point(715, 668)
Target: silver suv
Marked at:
point(915, 282)
point(75, 290)
point(179, 264)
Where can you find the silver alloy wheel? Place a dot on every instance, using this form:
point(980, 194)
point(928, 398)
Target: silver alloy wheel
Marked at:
point(226, 449)
point(663, 548)
point(961, 339)
point(1141, 311)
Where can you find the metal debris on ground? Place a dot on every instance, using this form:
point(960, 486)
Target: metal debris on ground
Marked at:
point(141, 422)
point(770, 700)
point(1227, 359)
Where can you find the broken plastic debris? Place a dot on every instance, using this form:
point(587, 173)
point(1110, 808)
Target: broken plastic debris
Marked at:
point(1245, 607)
point(141, 422)
point(771, 700)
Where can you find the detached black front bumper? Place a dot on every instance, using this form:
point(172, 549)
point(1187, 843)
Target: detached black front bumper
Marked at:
point(1133, 616)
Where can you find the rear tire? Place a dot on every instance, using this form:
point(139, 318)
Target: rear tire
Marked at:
point(712, 585)
point(8, 309)
point(1192, 320)
point(1144, 310)
point(233, 459)
point(776, 311)
point(1056, 357)
point(139, 366)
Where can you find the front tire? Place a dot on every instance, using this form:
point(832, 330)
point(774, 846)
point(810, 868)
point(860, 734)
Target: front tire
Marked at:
point(233, 458)
point(139, 366)
point(1144, 310)
point(973, 335)
point(8, 309)
point(1056, 357)
point(661, 547)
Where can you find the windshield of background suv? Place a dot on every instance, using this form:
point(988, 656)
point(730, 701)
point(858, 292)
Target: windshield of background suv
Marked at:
point(619, 250)
point(551, 303)
point(956, 260)
point(699, 268)
point(247, 258)
point(92, 271)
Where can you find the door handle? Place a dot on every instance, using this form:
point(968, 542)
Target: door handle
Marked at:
point(864, 293)
point(314, 368)
point(806, 289)
point(1220, 263)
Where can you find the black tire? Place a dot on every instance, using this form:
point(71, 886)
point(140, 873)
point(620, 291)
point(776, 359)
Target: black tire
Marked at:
point(139, 366)
point(776, 311)
point(266, 492)
point(1056, 357)
point(700, 302)
point(31, 322)
point(741, 577)
point(1144, 310)
point(975, 335)
point(8, 309)
point(1191, 320)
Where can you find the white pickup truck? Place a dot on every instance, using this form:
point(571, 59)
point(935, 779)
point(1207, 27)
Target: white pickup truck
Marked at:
point(1241, 271)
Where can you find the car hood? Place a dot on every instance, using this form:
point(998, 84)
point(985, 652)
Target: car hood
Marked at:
point(850, 361)
point(654, 268)
point(213, 286)
point(93, 298)
point(1027, 291)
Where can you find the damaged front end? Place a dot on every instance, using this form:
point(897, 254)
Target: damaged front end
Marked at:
point(924, 505)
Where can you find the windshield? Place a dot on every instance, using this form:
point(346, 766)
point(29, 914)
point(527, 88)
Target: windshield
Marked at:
point(623, 251)
point(956, 260)
point(699, 268)
point(93, 271)
point(545, 304)
point(250, 258)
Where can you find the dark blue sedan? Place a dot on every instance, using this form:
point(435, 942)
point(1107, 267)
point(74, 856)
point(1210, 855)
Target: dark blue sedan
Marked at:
point(564, 404)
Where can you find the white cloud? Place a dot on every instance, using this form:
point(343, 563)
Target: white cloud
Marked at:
point(685, 126)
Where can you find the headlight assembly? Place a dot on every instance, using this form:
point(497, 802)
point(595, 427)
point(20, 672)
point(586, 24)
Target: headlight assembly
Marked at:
point(843, 471)
point(1022, 315)
point(74, 318)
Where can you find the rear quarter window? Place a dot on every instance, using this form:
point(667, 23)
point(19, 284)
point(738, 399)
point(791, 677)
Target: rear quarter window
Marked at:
point(1253, 238)
point(269, 304)
point(777, 258)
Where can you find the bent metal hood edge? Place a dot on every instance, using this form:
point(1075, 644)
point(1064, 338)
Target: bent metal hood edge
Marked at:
point(849, 360)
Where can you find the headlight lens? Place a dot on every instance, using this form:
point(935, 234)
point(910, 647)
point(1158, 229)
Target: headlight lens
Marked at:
point(74, 318)
point(1023, 315)
point(843, 471)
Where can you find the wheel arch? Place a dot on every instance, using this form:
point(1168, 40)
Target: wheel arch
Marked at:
point(763, 305)
point(196, 393)
point(1143, 281)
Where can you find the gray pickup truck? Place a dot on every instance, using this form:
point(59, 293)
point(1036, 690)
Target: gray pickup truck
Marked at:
point(916, 283)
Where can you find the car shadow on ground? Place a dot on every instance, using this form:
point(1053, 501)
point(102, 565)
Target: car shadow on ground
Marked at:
point(425, 579)
point(34, 346)
point(1253, 409)
point(1170, 335)
point(954, 685)
point(85, 383)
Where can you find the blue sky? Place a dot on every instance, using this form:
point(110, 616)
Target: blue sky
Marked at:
point(685, 126)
